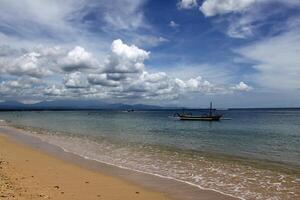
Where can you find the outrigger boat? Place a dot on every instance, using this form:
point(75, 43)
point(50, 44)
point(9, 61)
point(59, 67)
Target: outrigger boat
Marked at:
point(207, 117)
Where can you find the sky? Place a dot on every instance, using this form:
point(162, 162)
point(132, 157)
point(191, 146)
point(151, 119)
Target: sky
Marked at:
point(236, 53)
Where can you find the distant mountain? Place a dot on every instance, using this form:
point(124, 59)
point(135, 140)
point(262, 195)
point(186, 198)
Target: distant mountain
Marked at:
point(11, 104)
point(73, 105)
point(69, 104)
point(135, 107)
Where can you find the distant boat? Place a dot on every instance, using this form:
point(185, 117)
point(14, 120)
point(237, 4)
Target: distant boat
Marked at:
point(207, 117)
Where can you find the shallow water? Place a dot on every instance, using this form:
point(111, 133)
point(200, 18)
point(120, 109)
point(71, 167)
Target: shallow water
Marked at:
point(256, 155)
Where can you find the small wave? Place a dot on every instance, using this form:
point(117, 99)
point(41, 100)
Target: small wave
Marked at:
point(149, 173)
point(3, 122)
point(228, 178)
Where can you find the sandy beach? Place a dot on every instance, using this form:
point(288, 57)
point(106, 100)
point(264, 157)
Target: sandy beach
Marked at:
point(29, 174)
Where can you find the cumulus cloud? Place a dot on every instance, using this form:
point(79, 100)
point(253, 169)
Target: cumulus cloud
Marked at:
point(21, 88)
point(102, 79)
point(241, 87)
point(152, 85)
point(13, 86)
point(76, 72)
point(125, 58)
point(55, 90)
point(132, 52)
point(55, 49)
point(187, 4)
point(28, 64)
point(78, 59)
point(75, 80)
point(195, 85)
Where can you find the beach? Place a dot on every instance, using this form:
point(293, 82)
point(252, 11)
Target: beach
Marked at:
point(231, 159)
point(26, 172)
point(150, 100)
point(30, 174)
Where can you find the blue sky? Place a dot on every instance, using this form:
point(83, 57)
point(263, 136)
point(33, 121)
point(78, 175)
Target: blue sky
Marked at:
point(237, 53)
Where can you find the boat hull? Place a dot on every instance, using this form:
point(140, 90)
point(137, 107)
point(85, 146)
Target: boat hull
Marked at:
point(200, 118)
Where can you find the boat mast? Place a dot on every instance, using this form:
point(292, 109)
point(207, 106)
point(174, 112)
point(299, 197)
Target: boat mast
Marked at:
point(210, 113)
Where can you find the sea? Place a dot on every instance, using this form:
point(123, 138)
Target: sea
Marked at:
point(251, 154)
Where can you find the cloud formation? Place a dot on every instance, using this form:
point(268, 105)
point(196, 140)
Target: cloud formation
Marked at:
point(187, 4)
point(276, 59)
point(124, 14)
point(241, 87)
point(78, 73)
point(75, 80)
point(78, 59)
point(69, 49)
point(246, 18)
point(126, 52)
point(218, 7)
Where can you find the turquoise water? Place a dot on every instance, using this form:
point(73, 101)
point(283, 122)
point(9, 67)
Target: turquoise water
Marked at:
point(255, 155)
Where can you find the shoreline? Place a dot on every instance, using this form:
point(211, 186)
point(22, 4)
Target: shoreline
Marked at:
point(163, 187)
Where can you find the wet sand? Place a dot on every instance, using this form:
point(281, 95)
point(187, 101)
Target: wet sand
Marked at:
point(29, 174)
point(33, 170)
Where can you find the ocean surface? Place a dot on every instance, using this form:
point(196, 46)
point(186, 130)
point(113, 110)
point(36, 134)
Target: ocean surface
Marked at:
point(254, 155)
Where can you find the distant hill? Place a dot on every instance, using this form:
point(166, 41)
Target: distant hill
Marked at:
point(73, 105)
point(96, 104)
point(11, 104)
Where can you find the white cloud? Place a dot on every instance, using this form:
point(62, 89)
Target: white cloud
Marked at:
point(246, 18)
point(121, 75)
point(24, 87)
point(241, 87)
point(124, 14)
point(67, 23)
point(75, 80)
point(187, 4)
point(241, 15)
point(154, 77)
point(38, 18)
point(44, 61)
point(28, 64)
point(217, 7)
point(241, 27)
point(125, 58)
point(55, 90)
point(173, 24)
point(77, 59)
point(132, 52)
point(149, 40)
point(276, 59)
point(102, 79)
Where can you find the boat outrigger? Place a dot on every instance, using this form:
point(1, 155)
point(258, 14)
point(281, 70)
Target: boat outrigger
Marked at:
point(207, 117)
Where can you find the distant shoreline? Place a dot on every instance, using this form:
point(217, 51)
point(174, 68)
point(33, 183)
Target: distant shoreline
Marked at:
point(161, 109)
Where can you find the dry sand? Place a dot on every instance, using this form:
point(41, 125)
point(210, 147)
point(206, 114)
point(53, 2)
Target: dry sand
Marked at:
point(26, 173)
